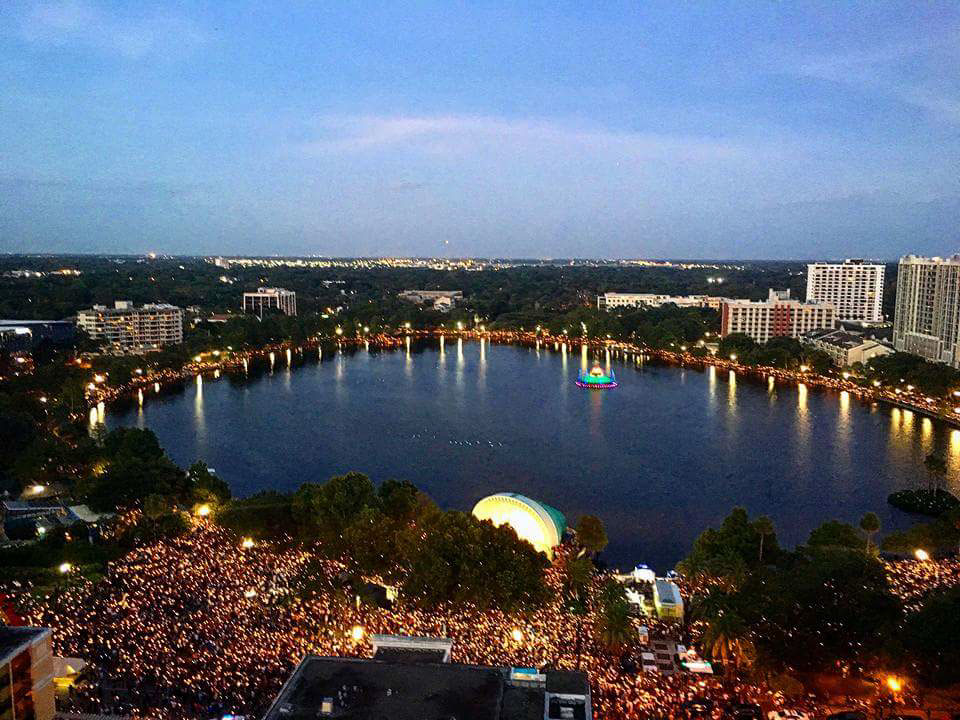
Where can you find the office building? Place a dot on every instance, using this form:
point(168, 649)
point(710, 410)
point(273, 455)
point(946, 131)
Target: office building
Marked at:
point(26, 674)
point(130, 328)
point(853, 287)
point(777, 316)
point(926, 319)
point(847, 348)
point(412, 678)
point(614, 300)
point(266, 299)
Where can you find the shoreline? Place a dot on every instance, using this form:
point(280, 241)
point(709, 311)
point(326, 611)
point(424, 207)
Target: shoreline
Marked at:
point(233, 360)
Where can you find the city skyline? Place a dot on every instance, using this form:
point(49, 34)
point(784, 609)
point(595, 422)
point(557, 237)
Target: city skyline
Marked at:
point(765, 131)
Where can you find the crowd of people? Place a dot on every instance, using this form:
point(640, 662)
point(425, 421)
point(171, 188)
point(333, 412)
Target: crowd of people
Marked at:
point(912, 580)
point(207, 623)
point(203, 624)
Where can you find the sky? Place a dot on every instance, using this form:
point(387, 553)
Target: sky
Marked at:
point(733, 130)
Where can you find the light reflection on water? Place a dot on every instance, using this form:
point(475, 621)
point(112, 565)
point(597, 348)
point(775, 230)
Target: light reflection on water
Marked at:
point(658, 459)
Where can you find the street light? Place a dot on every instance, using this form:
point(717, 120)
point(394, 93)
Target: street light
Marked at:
point(893, 682)
point(64, 568)
point(203, 510)
point(921, 554)
point(357, 633)
point(804, 368)
point(247, 543)
point(733, 357)
point(517, 635)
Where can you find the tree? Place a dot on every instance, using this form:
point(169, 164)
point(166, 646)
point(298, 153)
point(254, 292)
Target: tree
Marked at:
point(727, 553)
point(834, 533)
point(821, 605)
point(207, 485)
point(155, 505)
point(591, 534)
point(930, 636)
point(327, 510)
point(613, 621)
point(398, 499)
point(453, 557)
point(764, 527)
point(727, 637)
point(870, 524)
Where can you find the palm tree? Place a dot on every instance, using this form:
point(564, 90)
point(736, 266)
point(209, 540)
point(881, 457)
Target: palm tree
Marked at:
point(870, 524)
point(613, 621)
point(764, 526)
point(726, 638)
point(579, 575)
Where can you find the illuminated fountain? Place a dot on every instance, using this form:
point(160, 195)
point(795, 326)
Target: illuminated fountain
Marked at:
point(597, 379)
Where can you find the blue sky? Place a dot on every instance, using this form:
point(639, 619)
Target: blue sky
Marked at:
point(637, 129)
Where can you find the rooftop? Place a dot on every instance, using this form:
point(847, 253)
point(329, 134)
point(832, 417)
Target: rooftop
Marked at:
point(364, 689)
point(12, 639)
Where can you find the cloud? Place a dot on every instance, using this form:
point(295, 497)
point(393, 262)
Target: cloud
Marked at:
point(469, 134)
point(80, 24)
point(921, 74)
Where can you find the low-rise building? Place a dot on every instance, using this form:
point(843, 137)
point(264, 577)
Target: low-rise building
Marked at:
point(614, 300)
point(24, 335)
point(777, 316)
point(129, 328)
point(442, 300)
point(846, 348)
point(26, 674)
point(270, 298)
point(413, 678)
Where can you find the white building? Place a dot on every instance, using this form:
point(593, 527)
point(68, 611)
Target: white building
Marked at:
point(614, 300)
point(26, 673)
point(441, 300)
point(777, 316)
point(854, 287)
point(267, 298)
point(130, 328)
point(926, 319)
point(847, 348)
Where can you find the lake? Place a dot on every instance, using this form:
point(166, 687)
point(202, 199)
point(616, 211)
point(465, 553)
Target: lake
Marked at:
point(666, 454)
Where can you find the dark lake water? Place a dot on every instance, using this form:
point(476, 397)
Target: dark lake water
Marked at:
point(658, 459)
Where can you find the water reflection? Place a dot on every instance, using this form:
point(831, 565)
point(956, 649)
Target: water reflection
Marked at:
point(633, 456)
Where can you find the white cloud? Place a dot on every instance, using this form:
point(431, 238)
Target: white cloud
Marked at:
point(467, 134)
point(134, 36)
point(921, 74)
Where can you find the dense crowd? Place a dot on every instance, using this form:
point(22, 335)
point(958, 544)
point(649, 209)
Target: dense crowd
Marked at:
point(912, 580)
point(207, 624)
point(199, 625)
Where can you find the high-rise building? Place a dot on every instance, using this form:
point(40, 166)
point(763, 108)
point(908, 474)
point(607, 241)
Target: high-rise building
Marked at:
point(26, 674)
point(130, 328)
point(777, 316)
point(853, 287)
point(267, 298)
point(926, 319)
